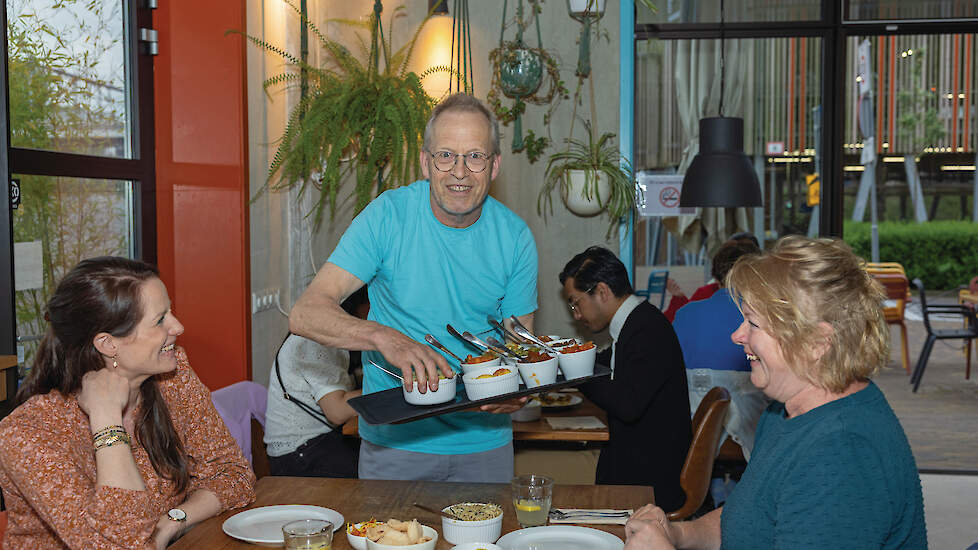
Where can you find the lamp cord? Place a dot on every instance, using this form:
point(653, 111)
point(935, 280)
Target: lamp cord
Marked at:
point(722, 60)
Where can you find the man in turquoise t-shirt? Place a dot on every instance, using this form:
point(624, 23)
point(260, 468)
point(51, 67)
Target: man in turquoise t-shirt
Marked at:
point(435, 252)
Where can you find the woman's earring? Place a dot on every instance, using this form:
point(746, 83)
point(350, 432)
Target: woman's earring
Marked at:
point(115, 364)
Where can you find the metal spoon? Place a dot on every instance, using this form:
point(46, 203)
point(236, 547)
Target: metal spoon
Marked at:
point(433, 511)
point(496, 324)
point(398, 376)
point(512, 353)
point(457, 334)
point(499, 350)
point(438, 345)
point(522, 331)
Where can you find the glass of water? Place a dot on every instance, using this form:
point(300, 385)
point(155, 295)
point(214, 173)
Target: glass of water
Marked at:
point(308, 534)
point(531, 499)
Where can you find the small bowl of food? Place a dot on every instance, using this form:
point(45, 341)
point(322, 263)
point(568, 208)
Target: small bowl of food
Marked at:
point(578, 360)
point(487, 359)
point(478, 522)
point(538, 369)
point(444, 393)
point(531, 411)
point(489, 382)
point(356, 533)
point(401, 535)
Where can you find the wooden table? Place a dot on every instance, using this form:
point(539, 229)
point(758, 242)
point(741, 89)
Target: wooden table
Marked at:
point(540, 430)
point(358, 500)
point(7, 362)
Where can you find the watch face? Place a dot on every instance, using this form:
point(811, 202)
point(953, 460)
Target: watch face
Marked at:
point(177, 514)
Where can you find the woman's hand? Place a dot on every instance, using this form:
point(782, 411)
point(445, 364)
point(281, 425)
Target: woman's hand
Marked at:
point(104, 395)
point(166, 530)
point(673, 287)
point(648, 529)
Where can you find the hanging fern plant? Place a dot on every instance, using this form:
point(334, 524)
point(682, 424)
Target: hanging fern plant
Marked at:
point(362, 116)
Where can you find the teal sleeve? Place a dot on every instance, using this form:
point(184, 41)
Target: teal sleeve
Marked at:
point(521, 288)
point(360, 251)
point(834, 498)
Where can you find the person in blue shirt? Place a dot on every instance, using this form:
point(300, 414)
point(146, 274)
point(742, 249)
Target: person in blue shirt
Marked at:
point(712, 359)
point(438, 251)
point(831, 466)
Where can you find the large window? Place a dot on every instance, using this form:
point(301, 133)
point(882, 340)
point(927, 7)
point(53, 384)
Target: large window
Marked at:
point(80, 151)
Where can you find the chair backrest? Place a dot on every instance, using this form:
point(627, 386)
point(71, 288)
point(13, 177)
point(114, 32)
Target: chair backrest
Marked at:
point(887, 268)
point(707, 432)
point(923, 303)
point(896, 287)
point(259, 454)
point(657, 285)
point(3, 526)
point(238, 404)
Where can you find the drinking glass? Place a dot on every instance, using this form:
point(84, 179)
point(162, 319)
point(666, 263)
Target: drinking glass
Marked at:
point(308, 534)
point(531, 499)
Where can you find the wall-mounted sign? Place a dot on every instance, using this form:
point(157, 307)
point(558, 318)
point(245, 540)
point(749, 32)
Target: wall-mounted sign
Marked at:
point(659, 195)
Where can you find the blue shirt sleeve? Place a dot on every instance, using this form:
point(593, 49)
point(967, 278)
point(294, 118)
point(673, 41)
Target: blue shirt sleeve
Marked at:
point(521, 288)
point(362, 247)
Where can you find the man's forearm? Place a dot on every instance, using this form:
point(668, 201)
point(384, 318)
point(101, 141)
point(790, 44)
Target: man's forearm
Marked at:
point(324, 321)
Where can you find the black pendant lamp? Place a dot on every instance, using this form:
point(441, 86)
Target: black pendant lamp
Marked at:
point(721, 175)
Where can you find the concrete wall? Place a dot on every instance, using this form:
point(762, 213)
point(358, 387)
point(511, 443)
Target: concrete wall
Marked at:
point(282, 240)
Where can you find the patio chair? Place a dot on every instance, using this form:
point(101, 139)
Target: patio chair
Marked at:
point(968, 333)
point(897, 289)
point(698, 469)
point(239, 405)
point(657, 285)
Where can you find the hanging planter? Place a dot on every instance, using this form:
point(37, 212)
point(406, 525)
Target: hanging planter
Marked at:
point(520, 72)
point(585, 192)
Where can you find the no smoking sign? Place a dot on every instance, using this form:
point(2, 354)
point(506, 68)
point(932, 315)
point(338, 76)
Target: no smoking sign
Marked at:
point(659, 195)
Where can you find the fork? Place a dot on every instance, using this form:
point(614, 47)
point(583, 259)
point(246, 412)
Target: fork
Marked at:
point(557, 514)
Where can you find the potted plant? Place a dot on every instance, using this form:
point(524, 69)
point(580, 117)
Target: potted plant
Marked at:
point(358, 115)
point(592, 176)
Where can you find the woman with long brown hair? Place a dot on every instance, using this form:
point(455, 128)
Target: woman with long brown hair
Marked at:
point(115, 442)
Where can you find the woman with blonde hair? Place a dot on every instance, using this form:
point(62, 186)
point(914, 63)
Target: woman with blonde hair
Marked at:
point(115, 443)
point(831, 465)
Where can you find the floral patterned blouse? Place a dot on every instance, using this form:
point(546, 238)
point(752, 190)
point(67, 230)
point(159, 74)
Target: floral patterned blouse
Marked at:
point(47, 471)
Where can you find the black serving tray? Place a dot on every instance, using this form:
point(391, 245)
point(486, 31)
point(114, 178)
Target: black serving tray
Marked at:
point(389, 407)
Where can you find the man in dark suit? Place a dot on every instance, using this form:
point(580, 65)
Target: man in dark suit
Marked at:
point(646, 397)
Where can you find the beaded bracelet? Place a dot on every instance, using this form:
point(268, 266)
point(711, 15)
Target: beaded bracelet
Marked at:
point(108, 429)
point(109, 437)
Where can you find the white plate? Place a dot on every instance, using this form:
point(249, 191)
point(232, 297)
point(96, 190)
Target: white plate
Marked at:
point(264, 525)
point(560, 537)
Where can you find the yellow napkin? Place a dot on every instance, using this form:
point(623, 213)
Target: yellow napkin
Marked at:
point(591, 519)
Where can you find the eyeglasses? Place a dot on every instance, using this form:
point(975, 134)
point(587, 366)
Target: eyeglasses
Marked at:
point(572, 303)
point(475, 161)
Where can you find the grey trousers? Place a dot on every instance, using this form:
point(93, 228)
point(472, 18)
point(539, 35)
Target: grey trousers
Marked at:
point(493, 466)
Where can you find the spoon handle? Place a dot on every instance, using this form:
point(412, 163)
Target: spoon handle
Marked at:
point(438, 345)
point(498, 350)
point(451, 330)
point(387, 371)
point(433, 511)
point(522, 331)
point(505, 331)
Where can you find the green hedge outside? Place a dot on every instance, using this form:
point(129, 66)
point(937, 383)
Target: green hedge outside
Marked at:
point(943, 254)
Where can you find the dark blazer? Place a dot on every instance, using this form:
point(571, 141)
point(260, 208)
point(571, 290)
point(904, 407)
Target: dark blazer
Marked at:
point(648, 408)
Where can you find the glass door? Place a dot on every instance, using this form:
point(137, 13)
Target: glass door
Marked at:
point(79, 143)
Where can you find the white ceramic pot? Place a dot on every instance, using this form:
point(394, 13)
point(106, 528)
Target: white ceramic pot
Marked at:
point(444, 393)
point(581, 6)
point(578, 364)
point(481, 531)
point(430, 545)
point(540, 373)
point(483, 388)
point(577, 201)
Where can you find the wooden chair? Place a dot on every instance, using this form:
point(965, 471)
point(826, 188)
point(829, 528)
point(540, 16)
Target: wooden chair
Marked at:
point(656, 285)
point(707, 431)
point(897, 291)
point(3, 526)
point(969, 333)
point(259, 455)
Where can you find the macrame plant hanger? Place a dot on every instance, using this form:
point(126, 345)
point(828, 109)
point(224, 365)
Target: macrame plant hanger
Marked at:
point(525, 81)
point(460, 79)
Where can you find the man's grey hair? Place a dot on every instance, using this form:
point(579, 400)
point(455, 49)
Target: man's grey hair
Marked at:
point(465, 103)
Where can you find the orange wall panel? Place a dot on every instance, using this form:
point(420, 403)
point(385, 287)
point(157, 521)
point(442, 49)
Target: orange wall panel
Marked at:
point(202, 183)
